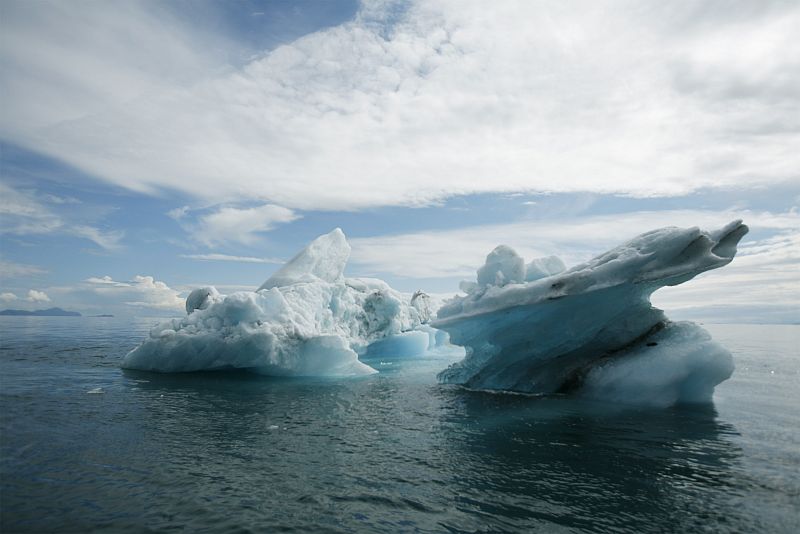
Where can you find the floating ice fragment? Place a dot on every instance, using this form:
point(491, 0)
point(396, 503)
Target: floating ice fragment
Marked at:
point(305, 320)
point(591, 330)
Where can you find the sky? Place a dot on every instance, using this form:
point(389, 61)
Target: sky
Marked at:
point(147, 148)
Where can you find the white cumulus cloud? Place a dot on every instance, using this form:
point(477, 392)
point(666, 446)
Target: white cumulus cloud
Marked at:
point(240, 224)
point(34, 295)
point(37, 296)
point(140, 292)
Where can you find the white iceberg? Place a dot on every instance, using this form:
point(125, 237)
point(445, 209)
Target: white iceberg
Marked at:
point(591, 330)
point(305, 320)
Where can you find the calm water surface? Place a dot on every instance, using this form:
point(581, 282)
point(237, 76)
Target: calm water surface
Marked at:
point(394, 452)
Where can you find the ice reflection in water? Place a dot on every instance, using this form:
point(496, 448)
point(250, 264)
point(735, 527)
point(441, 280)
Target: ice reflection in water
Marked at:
point(389, 452)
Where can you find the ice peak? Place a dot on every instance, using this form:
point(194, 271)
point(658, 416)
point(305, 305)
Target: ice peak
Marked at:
point(324, 259)
point(503, 266)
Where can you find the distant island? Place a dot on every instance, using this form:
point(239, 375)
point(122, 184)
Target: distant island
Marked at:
point(50, 312)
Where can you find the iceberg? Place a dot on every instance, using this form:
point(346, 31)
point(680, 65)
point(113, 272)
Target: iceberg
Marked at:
point(306, 320)
point(591, 330)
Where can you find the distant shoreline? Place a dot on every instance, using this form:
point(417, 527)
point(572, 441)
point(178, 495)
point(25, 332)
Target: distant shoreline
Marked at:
point(50, 312)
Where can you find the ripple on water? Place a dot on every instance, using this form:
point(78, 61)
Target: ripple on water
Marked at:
point(391, 452)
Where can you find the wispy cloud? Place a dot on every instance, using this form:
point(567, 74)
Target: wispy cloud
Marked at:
point(226, 257)
point(451, 98)
point(23, 213)
point(106, 281)
point(231, 224)
point(10, 269)
point(241, 224)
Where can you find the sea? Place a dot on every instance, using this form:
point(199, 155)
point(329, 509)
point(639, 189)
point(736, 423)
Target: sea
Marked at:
point(88, 447)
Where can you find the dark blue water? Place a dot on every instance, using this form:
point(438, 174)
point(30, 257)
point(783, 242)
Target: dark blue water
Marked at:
point(394, 452)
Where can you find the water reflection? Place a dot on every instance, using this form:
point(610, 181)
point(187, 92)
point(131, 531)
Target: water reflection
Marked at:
point(392, 452)
point(400, 450)
point(523, 461)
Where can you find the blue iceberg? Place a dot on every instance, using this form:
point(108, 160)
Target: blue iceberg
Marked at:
point(591, 330)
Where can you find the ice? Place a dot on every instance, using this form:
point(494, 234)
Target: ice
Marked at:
point(305, 320)
point(422, 302)
point(503, 266)
point(591, 330)
point(680, 363)
point(201, 298)
point(536, 328)
point(405, 344)
point(321, 261)
point(544, 267)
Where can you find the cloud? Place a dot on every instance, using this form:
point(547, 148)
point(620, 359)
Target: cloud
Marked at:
point(459, 252)
point(107, 280)
point(34, 296)
point(37, 296)
point(22, 213)
point(762, 281)
point(409, 106)
point(226, 257)
point(178, 213)
point(55, 199)
point(761, 285)
point(10, 269)
point(140, 292)
point(232, 224)
point(64, 62)
point(103, 294)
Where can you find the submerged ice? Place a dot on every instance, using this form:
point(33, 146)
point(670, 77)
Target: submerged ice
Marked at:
point(305, 320)
point(591, 330)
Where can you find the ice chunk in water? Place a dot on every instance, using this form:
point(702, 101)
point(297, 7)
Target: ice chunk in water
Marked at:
point(307, 319)
point(588, 329)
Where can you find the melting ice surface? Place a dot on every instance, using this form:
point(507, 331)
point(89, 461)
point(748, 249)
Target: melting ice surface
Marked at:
point(306, 320)
point(591, 330)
